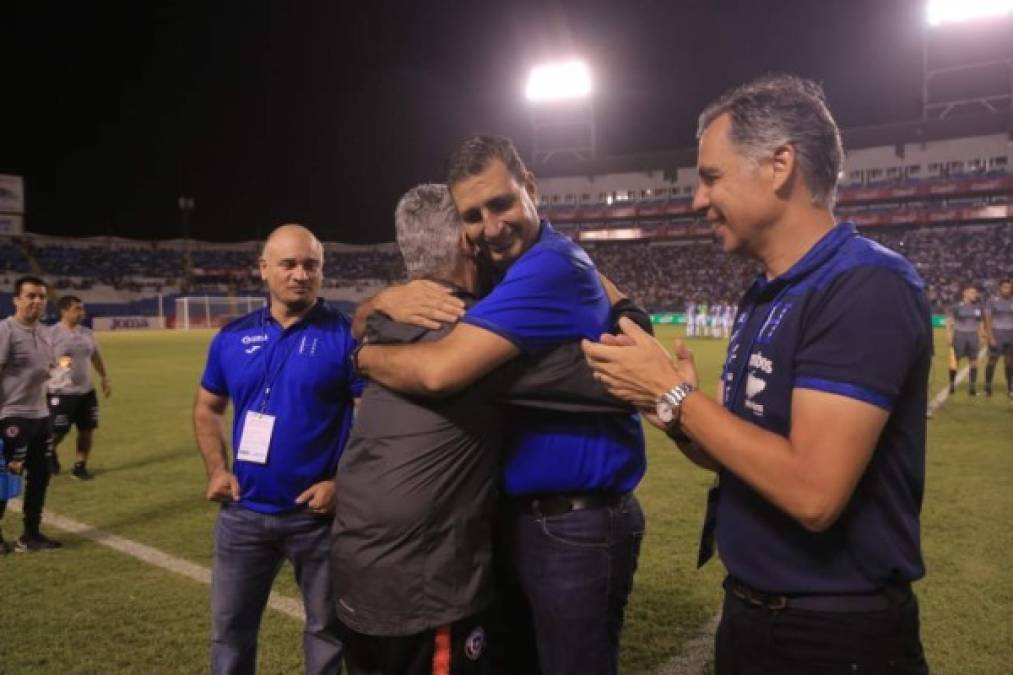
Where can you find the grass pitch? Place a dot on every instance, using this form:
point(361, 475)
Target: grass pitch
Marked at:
point(88, 609)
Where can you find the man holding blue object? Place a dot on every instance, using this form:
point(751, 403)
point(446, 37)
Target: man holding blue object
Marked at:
point(818, 430)
point(286, 370)
point(574, 525)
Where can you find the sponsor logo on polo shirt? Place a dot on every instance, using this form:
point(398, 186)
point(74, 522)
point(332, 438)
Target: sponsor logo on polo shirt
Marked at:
point(760, 362)
point(250, 339)
point(754, 386)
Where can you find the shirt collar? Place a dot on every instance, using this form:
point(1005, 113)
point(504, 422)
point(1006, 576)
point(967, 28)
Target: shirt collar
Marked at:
point(310, 316)
point(814, 258)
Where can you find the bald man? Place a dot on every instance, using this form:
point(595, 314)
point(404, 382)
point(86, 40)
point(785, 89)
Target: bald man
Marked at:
point(286, 370)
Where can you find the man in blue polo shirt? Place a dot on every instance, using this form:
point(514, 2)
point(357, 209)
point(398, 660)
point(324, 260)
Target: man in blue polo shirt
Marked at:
point(575, 527)
point(820, 441)
point(286, 370)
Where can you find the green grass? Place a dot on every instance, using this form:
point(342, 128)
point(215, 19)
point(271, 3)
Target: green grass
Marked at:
point(88, 609)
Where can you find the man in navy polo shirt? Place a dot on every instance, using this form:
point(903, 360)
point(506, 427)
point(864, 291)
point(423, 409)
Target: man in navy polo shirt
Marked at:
point(286, 370)
point(575, 527)
point(820, 441)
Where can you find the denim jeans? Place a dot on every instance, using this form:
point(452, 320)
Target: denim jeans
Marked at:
point(576, 571)
point(249, 550)
point(756, 641)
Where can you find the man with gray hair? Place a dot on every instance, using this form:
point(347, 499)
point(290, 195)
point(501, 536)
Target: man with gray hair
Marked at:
point(818, 429)
point(411, 544)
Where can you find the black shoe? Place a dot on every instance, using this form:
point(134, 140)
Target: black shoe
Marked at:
point(972, 392)
point(81, 472)
point(988, 392)
point(953, 390)
point(38, 542)
point(5, 548)
point(54, 464)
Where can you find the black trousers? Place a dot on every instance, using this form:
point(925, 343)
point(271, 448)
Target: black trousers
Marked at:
point(457, 649)
point(34, 438)
point(755, 640)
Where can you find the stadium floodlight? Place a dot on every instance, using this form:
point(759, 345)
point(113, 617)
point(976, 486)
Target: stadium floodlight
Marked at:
point(954, 11)
point(559, 81)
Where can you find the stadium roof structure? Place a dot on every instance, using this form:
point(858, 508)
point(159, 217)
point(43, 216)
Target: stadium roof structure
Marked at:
point(915, 131)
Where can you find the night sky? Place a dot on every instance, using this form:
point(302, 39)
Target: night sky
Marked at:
point(325, 112)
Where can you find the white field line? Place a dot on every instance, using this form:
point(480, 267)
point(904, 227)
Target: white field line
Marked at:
point(944, 393)
point(284, 604)
point(695, 654)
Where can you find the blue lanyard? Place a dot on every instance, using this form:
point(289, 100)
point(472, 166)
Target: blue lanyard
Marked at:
point(268, 379)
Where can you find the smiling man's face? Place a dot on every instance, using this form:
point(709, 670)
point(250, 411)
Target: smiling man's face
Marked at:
point(498, 212)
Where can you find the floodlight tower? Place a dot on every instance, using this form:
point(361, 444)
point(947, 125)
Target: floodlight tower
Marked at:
point(979, 78)
point(562, 115)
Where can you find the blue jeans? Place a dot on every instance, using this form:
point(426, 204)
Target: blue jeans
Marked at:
point(576, 571)
point(249, 550)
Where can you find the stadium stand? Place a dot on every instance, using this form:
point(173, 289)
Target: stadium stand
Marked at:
point(946, 204)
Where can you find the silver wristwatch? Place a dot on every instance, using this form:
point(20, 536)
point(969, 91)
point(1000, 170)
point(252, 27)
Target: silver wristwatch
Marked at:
point(669, 405)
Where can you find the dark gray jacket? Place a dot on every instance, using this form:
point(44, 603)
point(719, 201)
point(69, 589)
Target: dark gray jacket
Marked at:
point(416, 487)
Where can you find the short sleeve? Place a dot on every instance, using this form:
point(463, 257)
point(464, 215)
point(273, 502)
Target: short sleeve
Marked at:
point(863, 336)
point(213, 379)
point(545, 299)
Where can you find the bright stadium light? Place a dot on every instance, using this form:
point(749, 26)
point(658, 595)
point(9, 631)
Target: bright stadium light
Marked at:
point(954, 11)
point(559, 81)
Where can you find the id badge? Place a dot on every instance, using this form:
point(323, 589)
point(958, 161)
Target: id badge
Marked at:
point(256, 441)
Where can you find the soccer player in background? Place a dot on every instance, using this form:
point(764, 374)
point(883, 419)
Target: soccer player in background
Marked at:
point(963, 326)
point(691, 318)
point(25, 360)
point(999, 329)
point(72, 399)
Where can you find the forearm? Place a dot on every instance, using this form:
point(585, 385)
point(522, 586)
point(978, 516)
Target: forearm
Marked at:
point(695, 454)
point(766, 461)
point(99, 364)
point(438, 368)
point(209, 430)
point(418, 369)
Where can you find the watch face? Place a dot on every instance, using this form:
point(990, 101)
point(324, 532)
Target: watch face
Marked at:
point(664, 411)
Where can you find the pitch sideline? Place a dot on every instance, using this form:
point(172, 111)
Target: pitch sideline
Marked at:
point(289, 606)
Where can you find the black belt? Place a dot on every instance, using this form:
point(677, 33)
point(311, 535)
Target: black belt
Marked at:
point(884, 599)
point(557, 505)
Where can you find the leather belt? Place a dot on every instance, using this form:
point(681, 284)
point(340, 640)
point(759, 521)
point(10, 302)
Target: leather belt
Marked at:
point(884, 599)
point(557, 505)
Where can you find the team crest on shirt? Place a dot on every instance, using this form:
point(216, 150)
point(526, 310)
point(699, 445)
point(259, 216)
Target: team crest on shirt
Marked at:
point(11, 431)
point(475, 644)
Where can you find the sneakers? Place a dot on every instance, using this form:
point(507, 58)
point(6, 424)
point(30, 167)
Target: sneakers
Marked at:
point(81, 472)
point(38, 542)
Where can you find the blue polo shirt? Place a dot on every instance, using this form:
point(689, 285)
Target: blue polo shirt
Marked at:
point(552, 295)
point(850, 318)
point(311, 385)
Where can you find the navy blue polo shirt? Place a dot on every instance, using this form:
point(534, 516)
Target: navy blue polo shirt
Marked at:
point(552, 295)
point(850, 318)
point(311, 385)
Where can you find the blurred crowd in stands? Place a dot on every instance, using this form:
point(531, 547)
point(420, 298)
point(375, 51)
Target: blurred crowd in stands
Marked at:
point(661, 275)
